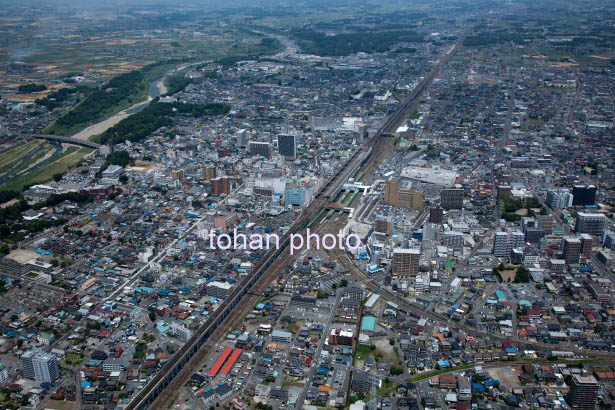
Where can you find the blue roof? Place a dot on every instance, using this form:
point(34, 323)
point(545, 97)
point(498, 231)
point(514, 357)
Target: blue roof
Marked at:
point(444, 363)
point(369, 324)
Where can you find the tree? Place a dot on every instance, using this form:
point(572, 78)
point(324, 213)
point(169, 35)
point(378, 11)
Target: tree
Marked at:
point(522, 275)
point(57, 177)
point(343, 283)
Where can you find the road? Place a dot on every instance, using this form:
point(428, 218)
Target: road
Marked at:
point(321, 345)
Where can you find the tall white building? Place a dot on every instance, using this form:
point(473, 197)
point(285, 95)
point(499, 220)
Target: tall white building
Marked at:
point(505, 242)
point(40, 366)
point(559, 198)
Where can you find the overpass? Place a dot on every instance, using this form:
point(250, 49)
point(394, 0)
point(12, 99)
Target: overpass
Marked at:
point(63, 140)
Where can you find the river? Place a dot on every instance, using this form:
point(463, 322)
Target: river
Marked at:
point(156, 89)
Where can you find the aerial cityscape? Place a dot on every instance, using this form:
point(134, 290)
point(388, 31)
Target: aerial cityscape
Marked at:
point(314, 205)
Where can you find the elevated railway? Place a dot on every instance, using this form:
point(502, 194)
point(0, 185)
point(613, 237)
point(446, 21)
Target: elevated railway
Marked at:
point(260, 274)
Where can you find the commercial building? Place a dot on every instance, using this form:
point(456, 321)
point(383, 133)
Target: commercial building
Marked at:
point(587, 242)
point(572, 250)
point(583, 393)
point(402, 195)
point(260, 148)
point(287, 145)
point(452, 197)
point(583, 195)
point(590, 223)
point(406, 262)
point(40, 366)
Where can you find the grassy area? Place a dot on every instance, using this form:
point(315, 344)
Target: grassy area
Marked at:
point(34, 159)
point(73, 360)
point(11, 158)
point(68, 158)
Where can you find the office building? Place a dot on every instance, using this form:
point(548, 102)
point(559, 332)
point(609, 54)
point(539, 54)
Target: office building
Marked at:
point(453, 239)
point(583, 393)
point(560, 198)
point(452, 197)
point(583, 195)
point(402, 195)
point(587, 242)
point(40, 366)
point(260, 148)
point(287, 145)
point(221, 185)
point(572, 250)
point(590, 223)
point(436, 215)
point(406, 262)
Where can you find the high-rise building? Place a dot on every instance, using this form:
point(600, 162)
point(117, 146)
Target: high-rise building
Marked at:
point(436, 215)
point(572, 250)
point(583, 393)
point(40, 366)
point(583, 195)
point(452, 197)
point(209, 172)
point(402, 195)
point(221, 185)
point(505, 242)
point(559, 198)
point(406, 262)
point(287, 145)
point(590, 223)
point(587, 242)
point(242, 138)
point(260, 148)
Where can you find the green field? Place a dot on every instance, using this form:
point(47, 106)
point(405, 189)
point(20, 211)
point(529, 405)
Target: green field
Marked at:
point(68, 158)
point(48, 148)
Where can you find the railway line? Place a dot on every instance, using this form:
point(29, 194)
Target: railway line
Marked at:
point(165, 383)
